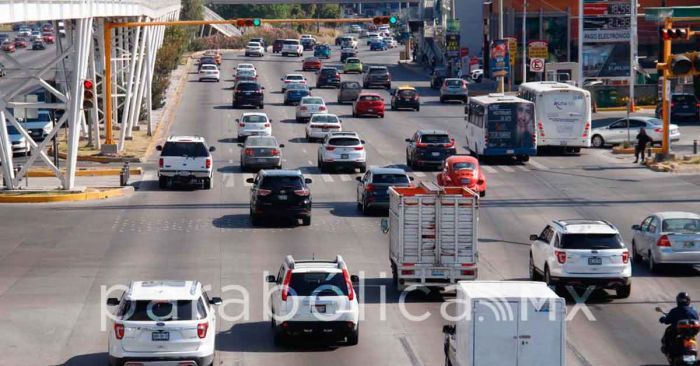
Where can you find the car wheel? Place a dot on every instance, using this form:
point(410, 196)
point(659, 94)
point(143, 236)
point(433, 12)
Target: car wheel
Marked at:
point(363, 208)
point(636, 257)
point(299, 120)
point(254, 220)
point(381, 116)
point(482, 194)
point(207, 183)
point(363, 168)
point(623, 292)
point(653, 266)
point(533, 272)
point(393, 108)
point(442, 100)
point(306, 220)
point(597, 141)
point(354, 337)
point(162, 182)
point(418, 109)
point(548, 281)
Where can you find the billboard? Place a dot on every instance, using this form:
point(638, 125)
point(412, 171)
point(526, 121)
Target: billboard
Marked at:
point(606, 38)
point(606, 60)
point(511, 125)
point(452, 45)
point(500, 60)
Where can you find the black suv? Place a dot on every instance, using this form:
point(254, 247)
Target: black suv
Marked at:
point(206, 61)
point(682, 106)
point(248, 93)
point(429, 148)
point(280, 194)
point(328, 76)
point(377, 75)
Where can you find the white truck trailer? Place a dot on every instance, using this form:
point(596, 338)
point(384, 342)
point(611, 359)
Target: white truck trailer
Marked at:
point(506, 323)
point(432, 235)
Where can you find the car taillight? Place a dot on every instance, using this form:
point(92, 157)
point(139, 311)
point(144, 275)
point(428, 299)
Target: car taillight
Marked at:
point(202, 329)
point(119, 330)
point(264, 192)
point(160, 162)
point(673, 104)
point(241, 124)
point(663, 241)
point(541, 128)
point(348, 283)
point(359, 148)
point(275, 152)
point(370, 188)
point(451, 144)
point(468, 272)
point(625, 256)
point(321, 108)
point(207, 163)
point(302, 192)
point(407, 271)
point(285, 285)
point(266, 125)
point(561, 256)
point(585, 130)
point(248, 152)
point(697, 105)
point(330, 148)
point(286, 81)
point(421, 144)
point(302, 108)
point(658, 130)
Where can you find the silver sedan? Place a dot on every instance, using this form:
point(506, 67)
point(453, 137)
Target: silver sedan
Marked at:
point(619, 132)
point(667, 238)
point(261, 152)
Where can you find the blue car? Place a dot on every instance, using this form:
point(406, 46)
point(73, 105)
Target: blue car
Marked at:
point(378, 45)
point(294, 93)
point(322, 51)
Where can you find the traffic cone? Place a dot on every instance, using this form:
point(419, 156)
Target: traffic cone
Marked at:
point(632, 106)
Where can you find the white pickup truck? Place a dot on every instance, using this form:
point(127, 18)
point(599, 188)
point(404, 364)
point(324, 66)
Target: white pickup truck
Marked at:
point(432, 235)
point(186, 160)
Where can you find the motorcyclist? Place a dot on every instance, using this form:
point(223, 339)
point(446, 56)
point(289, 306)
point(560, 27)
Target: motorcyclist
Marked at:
point(682, 311)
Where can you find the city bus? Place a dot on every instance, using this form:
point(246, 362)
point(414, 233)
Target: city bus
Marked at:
point(500, 125)
point(562, 115)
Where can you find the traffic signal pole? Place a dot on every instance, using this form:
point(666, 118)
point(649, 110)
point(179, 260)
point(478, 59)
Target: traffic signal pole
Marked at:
point(666, 91)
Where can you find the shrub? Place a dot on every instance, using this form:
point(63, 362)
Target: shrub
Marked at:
point(220, 41)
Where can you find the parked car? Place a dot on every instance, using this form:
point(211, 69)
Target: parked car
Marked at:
point(308, 106)
point(277, 46)
point(373, 187)
point(342, 150)
point(454, 89)
point(261, 152)
point(322, 51)
point(429, 148)
point(463, 171)
point(254, 49)
point(253, 124)
point(280, 194)
point(321, 124)
point(348, 91)
point(248, 93)
point(377, 75)
point(667, 238)
point(683, 106)
point(437, 77)
point(311, 63)
point(328, 76)
point(368, 104)
point(163, 322)
point(405, 96)
point(581, 253)
point(620, 131)
point(209, 72)
point(186, 160)
point(353, 65)
point(294, 92)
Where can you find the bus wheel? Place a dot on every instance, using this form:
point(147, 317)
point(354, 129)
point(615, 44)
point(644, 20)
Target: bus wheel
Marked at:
point(524, 158)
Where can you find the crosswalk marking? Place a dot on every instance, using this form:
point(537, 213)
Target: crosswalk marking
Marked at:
point(419, 174)
point(488, 169)
point(327, 178)
point(522, 168)
point(507, 169)
point(537, 165)
point(345, 178)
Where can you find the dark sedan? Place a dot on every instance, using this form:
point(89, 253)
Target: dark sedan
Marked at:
point(429, 148)
point(248, 93)
point(373, 187)
point(38, 45)
point(280, 194)
point(683, 106)
point(328, 76)
point(261, 152)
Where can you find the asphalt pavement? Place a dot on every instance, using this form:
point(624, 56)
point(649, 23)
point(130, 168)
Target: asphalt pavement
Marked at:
point(55, 260)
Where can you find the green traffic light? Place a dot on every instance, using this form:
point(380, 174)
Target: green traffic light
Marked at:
point(257, 22)
point(393, 20)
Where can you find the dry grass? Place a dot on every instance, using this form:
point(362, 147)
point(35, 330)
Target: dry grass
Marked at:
point(134, 148)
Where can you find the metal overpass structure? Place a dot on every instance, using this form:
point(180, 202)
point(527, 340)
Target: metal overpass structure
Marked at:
point(268, 2)
point(80, 56)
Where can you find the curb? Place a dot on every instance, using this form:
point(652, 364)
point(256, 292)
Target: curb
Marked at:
point(88, 195)
point(638, 108)
point(100, 159)
point(84, 172)
point(630, 150)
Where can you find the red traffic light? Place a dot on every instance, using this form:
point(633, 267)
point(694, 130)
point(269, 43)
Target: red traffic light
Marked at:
point(240, 22)
point(249, 22)
point(675, 33)
point(380, 20)
point(88, 84)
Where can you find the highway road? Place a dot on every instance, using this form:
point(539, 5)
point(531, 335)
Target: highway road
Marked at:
point(34, 60)
point(56, 259)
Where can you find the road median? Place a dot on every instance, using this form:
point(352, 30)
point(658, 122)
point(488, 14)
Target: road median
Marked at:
point(44, 196)
point(85, 172)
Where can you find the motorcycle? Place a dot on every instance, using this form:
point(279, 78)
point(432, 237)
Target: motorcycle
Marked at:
point(684, 343)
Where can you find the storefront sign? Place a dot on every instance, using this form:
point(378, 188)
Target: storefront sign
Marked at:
point(538, 49)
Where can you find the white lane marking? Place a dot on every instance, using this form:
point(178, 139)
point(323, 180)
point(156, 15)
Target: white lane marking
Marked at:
point(537, 165)
point(230, 161)
point(507, 169)
point(310, 163)
point(522, 168)
point(345, 178)
point(149, 175)
point(327, 178)
point(419, 174)
point(303, 150)
point(488, 169)
point(228, 180)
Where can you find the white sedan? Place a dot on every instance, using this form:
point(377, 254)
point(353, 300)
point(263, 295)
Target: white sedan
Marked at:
point(308, 106)
point(620, 130)
point(209, 72)
point(292, 78)
point(253, 124)
point(391, 42)
point(322, 124)
point(249, 67)
point(254, 49)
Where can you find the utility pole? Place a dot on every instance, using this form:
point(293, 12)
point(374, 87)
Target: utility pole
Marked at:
point(501, 79)
point(524, 41)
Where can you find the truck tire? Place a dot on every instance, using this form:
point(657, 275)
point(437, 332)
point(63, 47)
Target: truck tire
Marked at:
point(354, 337)
point(623, 292)
point(162, 182)
point(207, 183)
point(306, 221)
point(533, 271)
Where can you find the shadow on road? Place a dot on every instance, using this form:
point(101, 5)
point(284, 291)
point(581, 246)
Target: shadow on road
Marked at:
point(89, 359)
point(259, 337)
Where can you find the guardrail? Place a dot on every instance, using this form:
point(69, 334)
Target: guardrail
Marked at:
point(15, 11)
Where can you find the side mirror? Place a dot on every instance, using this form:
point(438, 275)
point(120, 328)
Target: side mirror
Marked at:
point(534, 237)
point(262, 87)
point(269, 120)
point(250, 180)
point(636, 227)
point(238, 119)
point(212, 148)
point(408, 140)
point(282, 79)
point(448, 329)
point(362, 141)
point(281, 145)
point(340, 120)
point(308, 180)
point(112, 301)
point(359, 179)
point(159, 148)
point(411, 179)
point(216, 301)
point(240, 145)
point(354, 278)
point(271, 279)
point(384, 225)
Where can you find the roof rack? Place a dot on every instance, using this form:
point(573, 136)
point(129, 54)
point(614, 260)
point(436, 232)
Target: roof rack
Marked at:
point(289, 260)
point(566, 222)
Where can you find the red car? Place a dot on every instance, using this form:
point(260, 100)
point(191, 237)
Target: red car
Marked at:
point(463, 171)
point(48, 37)
point(21, 43)
point(311, 63)
point(9, 47)
point(368, 104)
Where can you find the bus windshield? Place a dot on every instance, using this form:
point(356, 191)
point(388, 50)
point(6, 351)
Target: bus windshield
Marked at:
point(511, 125)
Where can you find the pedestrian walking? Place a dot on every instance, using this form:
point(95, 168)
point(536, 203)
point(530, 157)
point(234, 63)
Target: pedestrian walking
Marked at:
point(642, 141)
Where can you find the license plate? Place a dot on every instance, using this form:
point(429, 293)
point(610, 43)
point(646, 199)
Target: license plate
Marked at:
point(344, 156)
point(436, 153)
point(282, 197)
point(689, 244)
point(320, 308)
point(370, 110)
point(689, 358)
point(438, 273)
point(160, 336)
point(325, 129)
point(183, 172)
point(595, 261)
point(562, 143)
point(248, 93)
point(510, 151)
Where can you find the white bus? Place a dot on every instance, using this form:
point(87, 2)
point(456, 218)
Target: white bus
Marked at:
point(562, 114)
point(500, 125)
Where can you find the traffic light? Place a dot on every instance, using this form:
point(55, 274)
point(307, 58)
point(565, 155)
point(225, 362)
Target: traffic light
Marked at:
point(88, 94)
point(249, 22)
point(675, 33)
point(385, 20)
point(257, 22)
point(683, 64)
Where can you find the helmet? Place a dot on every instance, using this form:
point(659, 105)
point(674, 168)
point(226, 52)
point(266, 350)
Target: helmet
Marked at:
point(682, 299)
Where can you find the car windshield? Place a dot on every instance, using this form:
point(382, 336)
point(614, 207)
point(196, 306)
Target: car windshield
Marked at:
point(247, 86)
point(435, 139)
point(370, 98)
point(407, 93)
point(180, 148)
point(377, 71)
point(344, 141)
point(463, 165)
point(351, 85)
point(11, 130)
point(318, 284)
point(454, 83)
point(255, 118)
point(684, 99)
point(681, 225)
point(260, 141)
point(324, 118)
point(390, 178)
point(295, 77)
point(297, 86)
point(162, 311)
point(318, 101)
point(591, 241)
point(279, 182)
point(353, 61)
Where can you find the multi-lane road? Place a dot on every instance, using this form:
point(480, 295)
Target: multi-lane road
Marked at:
point(55, 259)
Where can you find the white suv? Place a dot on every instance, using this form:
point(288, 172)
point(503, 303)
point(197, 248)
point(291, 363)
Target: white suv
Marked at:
point(253, 124)
point(163, 321)
point(292, 47)
point(342, 150)
point(314, 298)
point(185, 159)
point(581, 253)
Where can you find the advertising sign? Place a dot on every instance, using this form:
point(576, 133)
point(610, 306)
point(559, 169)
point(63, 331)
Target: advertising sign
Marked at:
point(606, 60)
point(452, 45)
point(429, 31)
point(500, 59)
point(452, 25)
point(607, 30)
point(538, 49)
point(512, 49)
point(511, 125)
